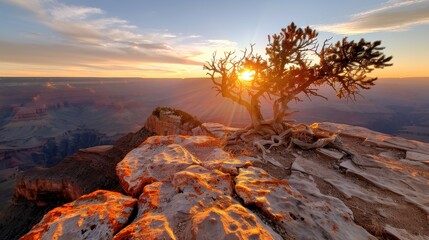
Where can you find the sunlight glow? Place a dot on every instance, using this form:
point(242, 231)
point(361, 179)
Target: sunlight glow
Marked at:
point(246, 75)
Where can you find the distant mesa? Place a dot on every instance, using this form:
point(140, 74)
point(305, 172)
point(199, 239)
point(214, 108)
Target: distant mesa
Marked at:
point(169, 121)
point(27, 113)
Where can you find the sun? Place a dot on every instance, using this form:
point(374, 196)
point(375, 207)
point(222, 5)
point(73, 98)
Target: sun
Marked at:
point(246, 75)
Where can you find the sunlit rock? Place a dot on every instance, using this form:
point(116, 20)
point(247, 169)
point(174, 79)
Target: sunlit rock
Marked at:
point(303, 216)
point(196, 204)
point(169, 121)
point(346, 186)
point(147, 164)
point(98, 215)
point(217, 130)
point(404, 180)
point(159, 157)
point(373, 138)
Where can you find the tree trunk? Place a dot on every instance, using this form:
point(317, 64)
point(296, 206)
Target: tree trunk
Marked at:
point(255, 115)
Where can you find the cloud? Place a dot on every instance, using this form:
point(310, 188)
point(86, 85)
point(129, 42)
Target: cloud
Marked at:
point(87, 36)
point(393, 16)
point(58, 54)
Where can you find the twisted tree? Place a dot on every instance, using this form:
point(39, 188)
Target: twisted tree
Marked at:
point(296, 65)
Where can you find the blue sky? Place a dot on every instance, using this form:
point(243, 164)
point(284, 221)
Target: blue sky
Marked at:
point(173, 38)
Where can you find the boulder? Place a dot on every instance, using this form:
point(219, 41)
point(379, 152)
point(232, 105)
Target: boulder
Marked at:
point(196, 204)
point(159, 157)
point(98, 215)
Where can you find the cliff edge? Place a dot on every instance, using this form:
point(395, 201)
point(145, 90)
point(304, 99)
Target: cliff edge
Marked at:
point(194, 187)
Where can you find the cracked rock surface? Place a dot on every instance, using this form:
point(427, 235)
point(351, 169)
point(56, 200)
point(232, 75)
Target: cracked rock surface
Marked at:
point(190, 187)
point(98, 215)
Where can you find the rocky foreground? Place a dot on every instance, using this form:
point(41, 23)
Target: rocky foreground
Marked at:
point(190, 187)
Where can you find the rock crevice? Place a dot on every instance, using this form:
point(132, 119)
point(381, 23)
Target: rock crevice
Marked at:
point(189, 187)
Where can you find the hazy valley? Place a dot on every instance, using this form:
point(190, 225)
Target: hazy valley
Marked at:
point(42, 120)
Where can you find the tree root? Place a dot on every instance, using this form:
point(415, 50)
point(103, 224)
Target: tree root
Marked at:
point(320, 143)
point(299, 135)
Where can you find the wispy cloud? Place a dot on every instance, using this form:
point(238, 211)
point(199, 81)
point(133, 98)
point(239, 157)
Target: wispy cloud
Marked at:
point(395, 15)
point(88, 36)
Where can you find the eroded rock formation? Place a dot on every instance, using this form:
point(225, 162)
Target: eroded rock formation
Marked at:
point(169, 121)
point(98, 215)
point(190, 188)
point(84, 172)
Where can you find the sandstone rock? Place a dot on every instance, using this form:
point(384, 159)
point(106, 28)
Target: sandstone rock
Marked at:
point(402, 234)
point(373, 138)
point(217, 130)
point(39, 189)
point(169, 121)
point(330, 153)
point(98, 215)
point(403, 180)
point(150, 164)
point(78, 174)
point(159, 157)
point(344, 129)
point(341, 216)
point(166, 127)
point(346, 186)
point(388, 154)
point(203, 181)
point(415, 156)
point(313, 216)
point(196, 204)
point(97, 149)
point(149, 226)
point(219, 159)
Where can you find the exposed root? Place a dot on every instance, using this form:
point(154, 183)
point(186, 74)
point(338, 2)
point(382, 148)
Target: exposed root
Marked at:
point(237, 135)
point(299, 135)
point(259, 144)
point(248, 133)
point(320, 143)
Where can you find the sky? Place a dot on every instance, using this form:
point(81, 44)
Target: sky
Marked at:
point(138, 38)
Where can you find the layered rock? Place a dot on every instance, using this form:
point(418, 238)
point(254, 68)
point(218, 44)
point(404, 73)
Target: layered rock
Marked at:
point(98, 215)
point(301, 216)
point(191, 199)
point(84, 172)
point(37, 189)
point(217, 130)
point(159, 157)
point(373, 138)
point(29, 113)
point(196, 204)
point(169, 121)
point(189, 187)
point(384, 181)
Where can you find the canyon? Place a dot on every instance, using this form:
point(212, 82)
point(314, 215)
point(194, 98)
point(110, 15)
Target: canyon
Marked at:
point(195, 187)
